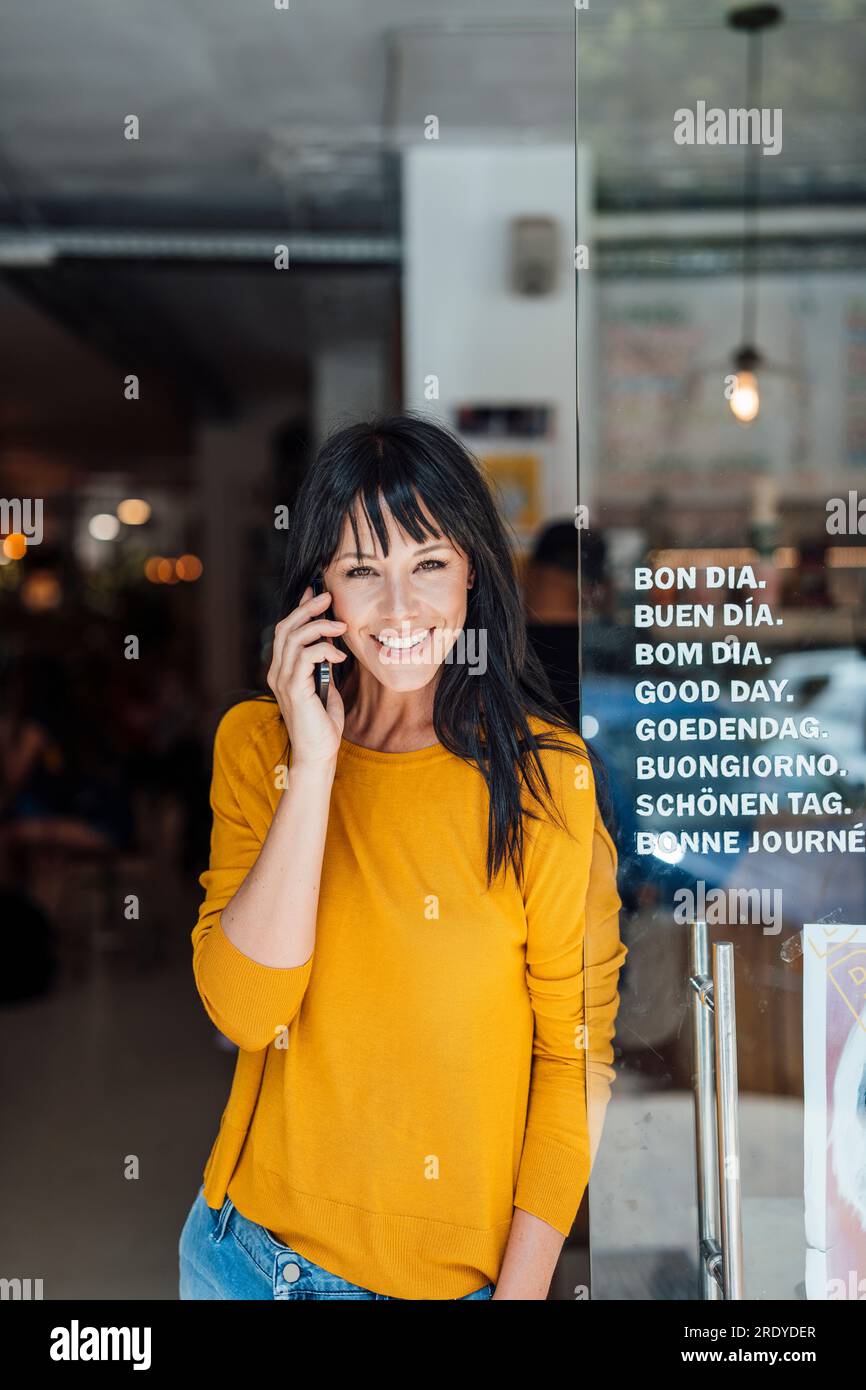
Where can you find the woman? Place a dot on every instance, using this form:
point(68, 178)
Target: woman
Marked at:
point(394, 925)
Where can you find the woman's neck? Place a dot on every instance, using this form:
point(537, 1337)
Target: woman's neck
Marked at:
point(387, 721)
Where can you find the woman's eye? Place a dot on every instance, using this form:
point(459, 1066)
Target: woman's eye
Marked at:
point(361, 571)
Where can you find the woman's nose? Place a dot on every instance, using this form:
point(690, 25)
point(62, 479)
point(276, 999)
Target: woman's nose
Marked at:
point(398, 599)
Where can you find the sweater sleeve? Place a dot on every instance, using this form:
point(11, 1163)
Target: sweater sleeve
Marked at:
point(249, 1002)
point(604, 955)
point(564, 877)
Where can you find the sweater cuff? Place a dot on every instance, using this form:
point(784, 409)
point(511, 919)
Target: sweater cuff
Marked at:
point(252, 1002)
point(551, 1181)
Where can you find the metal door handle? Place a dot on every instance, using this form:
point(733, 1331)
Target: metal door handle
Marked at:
point(717, 1135)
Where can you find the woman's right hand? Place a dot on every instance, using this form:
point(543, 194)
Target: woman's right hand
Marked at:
point(300, 643)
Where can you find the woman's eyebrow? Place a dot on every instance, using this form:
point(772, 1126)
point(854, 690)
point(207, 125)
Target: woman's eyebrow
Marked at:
point(365, 554)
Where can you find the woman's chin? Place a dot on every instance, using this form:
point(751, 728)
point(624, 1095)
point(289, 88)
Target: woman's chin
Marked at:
point(403, 677)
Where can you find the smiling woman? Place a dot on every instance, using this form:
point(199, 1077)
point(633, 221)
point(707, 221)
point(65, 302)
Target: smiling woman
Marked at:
point(410, 603)
point(402, 934)
point(403, 641)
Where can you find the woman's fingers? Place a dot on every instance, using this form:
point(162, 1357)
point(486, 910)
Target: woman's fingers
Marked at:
point(308, 657)
point(296, 642)
point(307, 608)
point(300, 619)
point(298, 660)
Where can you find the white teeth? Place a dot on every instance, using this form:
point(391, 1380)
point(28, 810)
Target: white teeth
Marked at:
point(402, 644)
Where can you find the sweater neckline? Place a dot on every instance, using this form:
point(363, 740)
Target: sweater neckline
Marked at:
point(434, 752)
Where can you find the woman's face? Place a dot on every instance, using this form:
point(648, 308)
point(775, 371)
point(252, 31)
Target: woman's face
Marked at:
point(405, 610)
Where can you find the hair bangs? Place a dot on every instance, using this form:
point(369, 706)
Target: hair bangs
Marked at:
point(411, 492)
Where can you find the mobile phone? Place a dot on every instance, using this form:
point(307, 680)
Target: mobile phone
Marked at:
point(322, 669)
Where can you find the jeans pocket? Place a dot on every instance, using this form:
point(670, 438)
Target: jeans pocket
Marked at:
point(219, 1219)
point(280, 1247)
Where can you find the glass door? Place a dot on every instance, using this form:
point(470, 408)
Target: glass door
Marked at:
point(722, 418)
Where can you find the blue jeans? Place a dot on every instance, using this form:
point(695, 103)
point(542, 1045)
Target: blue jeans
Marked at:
point(223, 1255)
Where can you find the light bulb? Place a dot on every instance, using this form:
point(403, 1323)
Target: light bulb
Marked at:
point(745, 401)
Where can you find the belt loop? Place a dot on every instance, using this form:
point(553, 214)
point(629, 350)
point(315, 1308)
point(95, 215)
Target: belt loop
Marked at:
point(219, 1229)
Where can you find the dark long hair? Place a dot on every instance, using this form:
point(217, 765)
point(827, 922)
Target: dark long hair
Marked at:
point(408, 460)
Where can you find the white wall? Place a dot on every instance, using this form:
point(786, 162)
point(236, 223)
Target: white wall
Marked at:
point(462, 322)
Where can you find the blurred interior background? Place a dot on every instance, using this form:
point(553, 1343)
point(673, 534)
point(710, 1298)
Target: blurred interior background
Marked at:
point(225, 231)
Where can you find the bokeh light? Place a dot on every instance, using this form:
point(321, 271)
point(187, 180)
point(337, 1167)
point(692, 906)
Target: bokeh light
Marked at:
point(189, 567)
point(15, 546)
point(104, 526)
point(133, 511)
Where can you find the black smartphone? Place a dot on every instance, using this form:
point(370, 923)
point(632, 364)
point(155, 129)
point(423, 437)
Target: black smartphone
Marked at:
point(322, 670)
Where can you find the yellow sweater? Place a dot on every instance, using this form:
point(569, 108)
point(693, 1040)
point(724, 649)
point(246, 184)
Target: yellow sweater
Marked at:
point(425, 1070)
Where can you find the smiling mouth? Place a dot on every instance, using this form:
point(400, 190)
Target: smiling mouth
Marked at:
point(396, 648)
